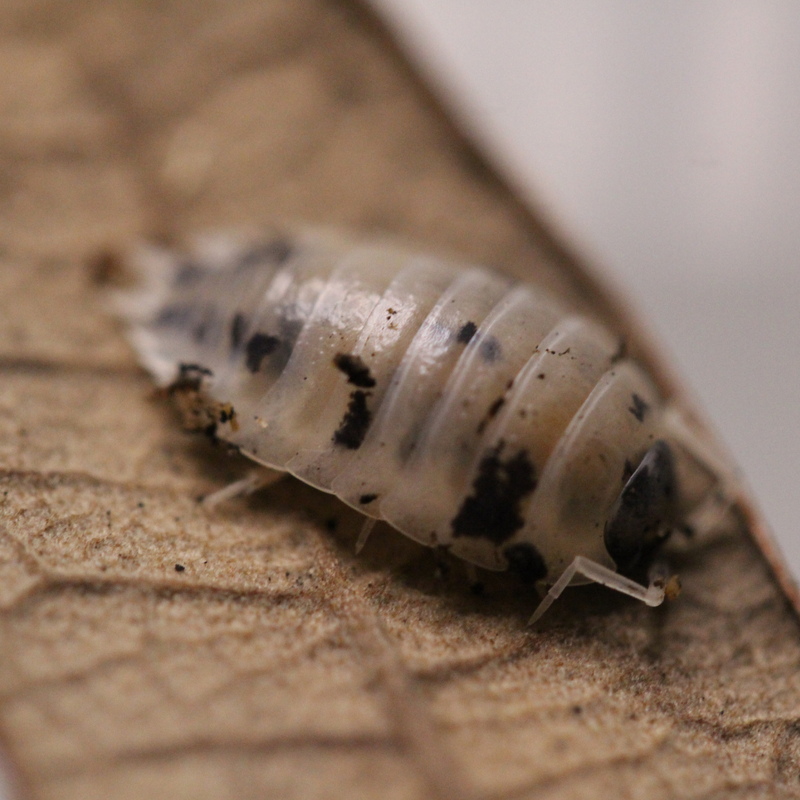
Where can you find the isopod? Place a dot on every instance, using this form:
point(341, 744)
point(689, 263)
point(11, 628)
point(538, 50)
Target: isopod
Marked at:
point(468, 411)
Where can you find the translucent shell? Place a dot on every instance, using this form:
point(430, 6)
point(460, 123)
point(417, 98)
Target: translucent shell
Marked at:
point(464, 409)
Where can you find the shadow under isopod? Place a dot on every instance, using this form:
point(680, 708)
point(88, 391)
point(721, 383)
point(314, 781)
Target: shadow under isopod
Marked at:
point(396, 568)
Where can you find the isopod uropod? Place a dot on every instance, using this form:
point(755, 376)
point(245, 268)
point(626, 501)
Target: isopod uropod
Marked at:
point(466, 410)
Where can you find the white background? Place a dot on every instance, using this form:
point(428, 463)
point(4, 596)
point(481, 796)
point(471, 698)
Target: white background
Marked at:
point(664, 139)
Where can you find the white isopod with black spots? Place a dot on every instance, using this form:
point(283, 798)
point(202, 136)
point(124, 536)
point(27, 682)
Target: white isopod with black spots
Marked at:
point(466, 410)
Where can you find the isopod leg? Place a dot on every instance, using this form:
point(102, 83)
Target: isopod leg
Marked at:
point(257, 479)
point(652, 595)
point(366, 530)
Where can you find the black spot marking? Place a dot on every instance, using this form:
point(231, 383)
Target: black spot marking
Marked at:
point(491, 413)
point(541, 376)
point(238, 327)
point(331, 524)
point(356, 370)
point(526, 562)
point(496, 406)
point(467, 331)
point(179, 568)
point(187, 369)
point(355, 422)
point(492, 511)
point(490, 349)
point(645, 511)
point(190, 376)
point(366, 499)
point(259, 346)
point(639, 408)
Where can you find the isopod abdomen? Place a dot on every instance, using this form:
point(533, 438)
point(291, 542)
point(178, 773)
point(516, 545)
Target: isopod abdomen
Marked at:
point(466, 410)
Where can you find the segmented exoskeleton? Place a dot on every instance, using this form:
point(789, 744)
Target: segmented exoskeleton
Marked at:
point(468, 411)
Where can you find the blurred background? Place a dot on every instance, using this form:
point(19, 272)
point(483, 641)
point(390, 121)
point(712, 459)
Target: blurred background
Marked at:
point(663, 139)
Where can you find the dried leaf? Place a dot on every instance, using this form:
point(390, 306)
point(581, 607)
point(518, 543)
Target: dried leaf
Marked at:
point(152, 648)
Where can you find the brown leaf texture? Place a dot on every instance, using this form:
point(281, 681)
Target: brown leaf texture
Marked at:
point(276, 663)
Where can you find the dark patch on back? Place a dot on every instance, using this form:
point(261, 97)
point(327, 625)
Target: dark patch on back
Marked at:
point(492, 511)
point(355, 423)
point(490, 349)
point(644, 513)
point(491, 413)
point(639, 407)
point(190, 376)
point(258, 347)
point(466, 332)
point(496, 406)
point(366, 499)
point(238, 327)
point(185, 369)
point(356, 370)
point(526, 562)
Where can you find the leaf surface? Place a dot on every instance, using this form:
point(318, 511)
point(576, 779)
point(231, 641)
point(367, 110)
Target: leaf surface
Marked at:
point(152, 648)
